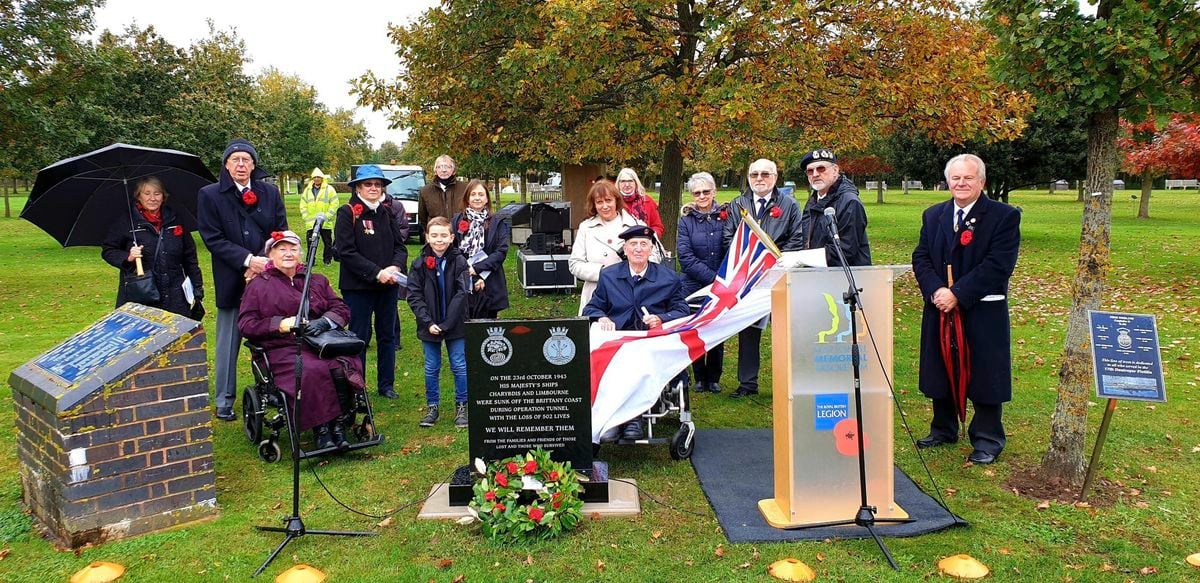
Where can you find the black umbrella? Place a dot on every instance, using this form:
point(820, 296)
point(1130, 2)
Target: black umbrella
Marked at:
point(76, 200)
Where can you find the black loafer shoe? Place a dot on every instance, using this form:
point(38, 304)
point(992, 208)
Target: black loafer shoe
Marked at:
point(226, 414)
point(632, 431)
point(388, 393)
point(932, 440)
point(699, 388)
point(742, 392)
point(981, 457)
point(714, 388)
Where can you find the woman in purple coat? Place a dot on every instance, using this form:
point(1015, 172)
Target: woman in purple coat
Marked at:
point(268, 318)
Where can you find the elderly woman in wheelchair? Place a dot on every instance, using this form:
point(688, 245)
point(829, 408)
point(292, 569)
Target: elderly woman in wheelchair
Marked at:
point(268, 319)
point(636, 294)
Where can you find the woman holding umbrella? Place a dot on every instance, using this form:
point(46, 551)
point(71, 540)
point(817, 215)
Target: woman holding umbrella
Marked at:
point(155, 236)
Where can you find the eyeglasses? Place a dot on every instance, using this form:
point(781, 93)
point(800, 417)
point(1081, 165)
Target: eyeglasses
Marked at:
point(761, 174)
point(241, 160)
point(371, 183)
point(811, 170)
point(703, 192)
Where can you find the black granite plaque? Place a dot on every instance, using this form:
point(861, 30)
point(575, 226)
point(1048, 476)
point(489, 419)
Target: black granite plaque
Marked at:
point(530, 387)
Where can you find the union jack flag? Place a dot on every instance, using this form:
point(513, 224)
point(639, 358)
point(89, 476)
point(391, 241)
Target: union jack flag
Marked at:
point(629, 369)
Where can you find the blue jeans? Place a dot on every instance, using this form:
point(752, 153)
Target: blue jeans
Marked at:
point(379, 306)
point(457, 349)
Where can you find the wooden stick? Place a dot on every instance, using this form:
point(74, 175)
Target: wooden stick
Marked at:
point(138, 263)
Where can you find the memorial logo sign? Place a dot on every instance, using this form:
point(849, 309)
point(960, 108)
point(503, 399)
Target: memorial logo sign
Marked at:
point(529, 388)
point(1125, 356)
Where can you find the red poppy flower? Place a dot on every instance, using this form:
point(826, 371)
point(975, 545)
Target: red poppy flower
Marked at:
point(776, 212)
point(357, 210)
point(501, 507)
point(490, 496)
point(536, 513)
point(249, 197)
point(463, 226)
point(966, 237)
point(556, 504)
point(531, 467)
point(502, 479)
point(512, 467)
point(430, 262)
point(724, 215)
point(553, 476)
point(177, 230)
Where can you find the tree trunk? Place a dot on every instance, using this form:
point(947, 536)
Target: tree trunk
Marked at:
point(879, 191)
point(1068, 426)
point(904, 184)
point(668, 195)
point(1144, 203)
point(7, 207)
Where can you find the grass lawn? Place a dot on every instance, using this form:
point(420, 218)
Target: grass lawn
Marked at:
point(1150, 461)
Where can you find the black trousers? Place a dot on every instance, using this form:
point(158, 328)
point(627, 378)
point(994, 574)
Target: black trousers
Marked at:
point(986, 430)
point(749, 358)
point(327, 239)
point(708, 367)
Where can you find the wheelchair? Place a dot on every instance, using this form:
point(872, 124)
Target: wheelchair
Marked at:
point(265, 414)
point(675, 399)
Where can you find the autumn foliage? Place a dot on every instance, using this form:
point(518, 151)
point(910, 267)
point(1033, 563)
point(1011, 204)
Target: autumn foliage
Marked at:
point(1172, 150)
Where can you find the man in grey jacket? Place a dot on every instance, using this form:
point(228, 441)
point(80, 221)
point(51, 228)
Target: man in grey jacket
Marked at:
point(779, 217)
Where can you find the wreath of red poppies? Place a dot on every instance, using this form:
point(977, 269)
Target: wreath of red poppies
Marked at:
point(249, 198)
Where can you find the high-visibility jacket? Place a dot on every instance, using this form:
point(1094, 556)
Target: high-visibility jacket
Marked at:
point(324, 201)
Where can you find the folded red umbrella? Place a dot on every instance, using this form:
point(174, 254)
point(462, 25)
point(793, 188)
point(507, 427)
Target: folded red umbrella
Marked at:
point(956, 353)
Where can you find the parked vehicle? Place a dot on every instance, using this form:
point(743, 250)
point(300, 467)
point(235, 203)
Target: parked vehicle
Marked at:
point(407, 181)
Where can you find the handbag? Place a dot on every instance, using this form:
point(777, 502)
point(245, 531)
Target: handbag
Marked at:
point(335, 343)
point(140, 289)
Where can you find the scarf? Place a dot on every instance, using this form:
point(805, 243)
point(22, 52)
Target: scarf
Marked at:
point(472, 243)
point(636, 205)
point(447, 183)
point(154, 218)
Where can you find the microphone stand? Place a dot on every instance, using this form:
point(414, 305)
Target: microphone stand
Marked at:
point(866, 513)
point(293, 525)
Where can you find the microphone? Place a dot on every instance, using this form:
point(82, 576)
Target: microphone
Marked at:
point(833, 228)
point(321, 218)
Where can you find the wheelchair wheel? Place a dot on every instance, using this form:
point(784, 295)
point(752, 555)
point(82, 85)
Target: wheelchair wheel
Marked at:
point(269, 451)
point(252, 417)
point(681, 449)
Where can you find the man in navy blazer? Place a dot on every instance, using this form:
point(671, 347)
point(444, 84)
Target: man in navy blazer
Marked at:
point(636, 294)
point(976, 239)
point(236, 215)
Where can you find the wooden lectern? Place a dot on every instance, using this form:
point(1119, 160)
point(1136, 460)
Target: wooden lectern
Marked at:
point(815, 431)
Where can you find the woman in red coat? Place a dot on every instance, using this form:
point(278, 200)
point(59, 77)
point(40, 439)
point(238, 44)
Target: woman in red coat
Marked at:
point(268, 318)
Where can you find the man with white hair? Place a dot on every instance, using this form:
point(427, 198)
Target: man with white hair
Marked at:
point(964, 259)
point(831, 190)
point(442, 197)
point(779, 217)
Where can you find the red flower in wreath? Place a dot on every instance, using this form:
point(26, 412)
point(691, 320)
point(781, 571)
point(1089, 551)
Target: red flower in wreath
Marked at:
point(966, 237)
point(277, 235)
point(501, 507)
point(531, 467)
point(512, 467)
point(177, 231)
point(431, 263)
point(463, 226)
point(552, 476)
point(490, 496)
point(776, 212)
point(502, 479)
point(724, 215)
point(536, 513)
point(249, 197)
point(357, 210)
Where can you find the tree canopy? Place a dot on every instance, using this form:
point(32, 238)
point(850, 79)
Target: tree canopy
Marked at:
point(637, 80)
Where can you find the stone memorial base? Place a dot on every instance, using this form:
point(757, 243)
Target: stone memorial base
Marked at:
point(622, 501)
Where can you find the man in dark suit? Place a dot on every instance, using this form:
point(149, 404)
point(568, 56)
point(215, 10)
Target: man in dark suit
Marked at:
point(237, 215)
point(636, 294)
point(779, 216)
point(976, 240)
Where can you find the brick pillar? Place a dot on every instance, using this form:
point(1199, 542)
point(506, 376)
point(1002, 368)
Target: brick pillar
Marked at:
point(114, 430)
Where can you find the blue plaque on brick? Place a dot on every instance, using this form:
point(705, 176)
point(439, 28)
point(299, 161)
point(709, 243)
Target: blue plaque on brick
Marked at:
point(96, 346)
point(1125, 356)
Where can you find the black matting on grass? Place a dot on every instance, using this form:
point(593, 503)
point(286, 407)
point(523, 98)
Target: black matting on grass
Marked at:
point(721, 459)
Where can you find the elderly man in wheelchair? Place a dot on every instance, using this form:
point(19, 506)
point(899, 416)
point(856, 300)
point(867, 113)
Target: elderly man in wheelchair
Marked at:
point(268, 320)
point(636, 294)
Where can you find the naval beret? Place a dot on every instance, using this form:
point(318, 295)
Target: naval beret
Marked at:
point(817, 156)
point(638, 231)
